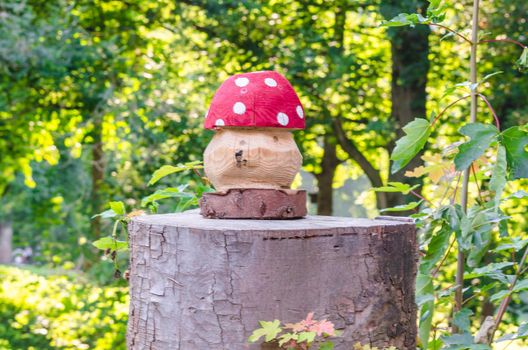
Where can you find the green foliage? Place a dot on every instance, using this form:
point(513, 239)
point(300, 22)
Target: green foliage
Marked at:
point(187, 199)
point(461, 319)
point(462, 341)
point(108, 243)
point(515, 140)
point(436, 13)
point(425, 302)
point(405, 19)
point(268, 329)
point(522, 332)
point(417, 132)
point(358, 346)
point(403, 207)
point(301, 335)
point(41, 310)
point(481, 137)
point(522, 62)
point(475, 218)
point(111, 245)
point(169, 169)
point(397, 187)
point(498, 178)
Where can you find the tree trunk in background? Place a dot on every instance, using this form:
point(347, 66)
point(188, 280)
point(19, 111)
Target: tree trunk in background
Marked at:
point(6, 237)
point(97, 176)
point(325, 178)
point(410, 65)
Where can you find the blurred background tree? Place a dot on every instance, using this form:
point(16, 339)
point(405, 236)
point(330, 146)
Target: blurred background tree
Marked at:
point(96, 95)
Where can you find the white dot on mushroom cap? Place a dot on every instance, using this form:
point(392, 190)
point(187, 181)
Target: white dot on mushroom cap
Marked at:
point(239, 108)
point(299, 111)
point(270, 82)
point(282, 118)
point(241, 82)
point(219, 122)
point(206, 113)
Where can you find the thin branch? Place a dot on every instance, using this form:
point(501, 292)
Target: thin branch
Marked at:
point(449, 106)
point(435, 271)
point(506, 40)
point(476, 182)
point(453, 199)
point(506, 301)
point(459, 277)
point(422, 198)
point(353, 152)
point(200, 176)
point(490, 107)
point(451, 31)
point(470, 298)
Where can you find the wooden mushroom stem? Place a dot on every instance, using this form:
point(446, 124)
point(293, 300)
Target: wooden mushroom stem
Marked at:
point(258, 158)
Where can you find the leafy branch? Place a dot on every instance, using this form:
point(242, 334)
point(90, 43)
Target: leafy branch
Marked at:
point(473, 225)
point(112, 245)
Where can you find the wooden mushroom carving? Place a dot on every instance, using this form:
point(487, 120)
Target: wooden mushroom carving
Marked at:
point(252, 159)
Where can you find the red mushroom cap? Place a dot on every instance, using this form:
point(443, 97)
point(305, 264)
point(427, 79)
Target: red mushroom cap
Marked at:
point(257, 99)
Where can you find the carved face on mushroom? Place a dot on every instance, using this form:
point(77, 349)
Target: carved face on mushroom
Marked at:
point(253, 115)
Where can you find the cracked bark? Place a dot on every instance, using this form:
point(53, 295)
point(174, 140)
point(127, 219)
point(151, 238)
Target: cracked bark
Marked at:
point(200, 284)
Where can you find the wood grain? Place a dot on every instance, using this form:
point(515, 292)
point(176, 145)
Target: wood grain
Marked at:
point(251, 158)
point(204, 284)
point(250, 203)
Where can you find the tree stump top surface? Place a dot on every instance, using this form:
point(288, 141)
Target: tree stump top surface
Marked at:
point(198, 283)
point(311, 223)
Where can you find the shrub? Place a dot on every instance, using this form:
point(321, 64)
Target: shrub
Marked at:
point(42, 310)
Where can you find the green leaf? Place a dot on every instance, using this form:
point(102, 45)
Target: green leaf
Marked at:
point(481, 137)
point(518, 194)
point(436, 247)
point(186, 204)
point(461, 319)
point(515, 244)
point(107, 214)
point(403, 207)
point(498, 176)
point(458, 339)
point(522, 332)
point(515, 140)
point(436, 11)
point(169, 169)
point(424, 287)
point(268, 329)
point(109, 243)
point(118, 207)
point(486, 270)
point(491, 75)
point(522, 62)
point(500, 295)
point(404, 19)
point(409, 145)
point(286, 337)
point(521, 286)
point(169, 192)
point(327, 345)
point(422, 299)
point(396, 187)
point(307, 337)
point(481, 241)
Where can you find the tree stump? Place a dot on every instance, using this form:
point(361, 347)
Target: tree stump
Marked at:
point(204, 284)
